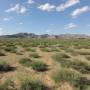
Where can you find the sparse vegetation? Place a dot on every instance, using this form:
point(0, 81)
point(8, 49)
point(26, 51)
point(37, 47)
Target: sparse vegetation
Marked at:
point(36, 65)
point(83, 67)
point(35, 55)
point(88, 57)
point(2, 53)
point(30, 49)
point(26, 62)
point(55, 61)
point(66, 75)
point(8, 85)
point(39, 66)
point(4, 67)
point(11, 49)
point(33, 85)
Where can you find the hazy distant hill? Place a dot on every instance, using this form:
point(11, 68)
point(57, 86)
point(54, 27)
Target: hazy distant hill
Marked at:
point(32, 35)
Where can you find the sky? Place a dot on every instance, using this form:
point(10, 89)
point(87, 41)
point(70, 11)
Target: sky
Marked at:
point(45, 16)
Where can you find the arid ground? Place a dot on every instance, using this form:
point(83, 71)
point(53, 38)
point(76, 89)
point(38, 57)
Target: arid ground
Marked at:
point(44, 64)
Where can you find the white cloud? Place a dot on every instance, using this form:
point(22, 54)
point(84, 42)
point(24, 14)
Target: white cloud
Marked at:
point(17, 8)
point(66, 5)
point(71, 26)
point(6, 19)
point(79, 11)
point(47, 7)
point(30, 2)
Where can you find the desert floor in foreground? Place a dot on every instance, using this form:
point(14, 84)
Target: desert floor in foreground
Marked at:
point(44, 64)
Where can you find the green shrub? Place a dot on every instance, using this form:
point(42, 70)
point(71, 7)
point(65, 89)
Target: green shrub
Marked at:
point(88, 57)
point(31, 49)
point(81, 66)
point(54, 49)
point(83, 83)
point(19, 53)
point(34, 55)
point(10, 49)
point(2, 53)
point(33, 85)
point(4, 67)
point(26, 62)
point(46, 49)
point(8, 85)
point(66, 75)
point(70, 50)
point(83, 53)
point(39, 66)
point(59, 56)
point(35, 65)
point(88, 88)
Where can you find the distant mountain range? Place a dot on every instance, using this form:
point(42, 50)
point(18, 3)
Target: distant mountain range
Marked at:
point(32, 35)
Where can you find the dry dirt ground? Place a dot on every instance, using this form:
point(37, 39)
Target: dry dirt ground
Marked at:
point(24, 72)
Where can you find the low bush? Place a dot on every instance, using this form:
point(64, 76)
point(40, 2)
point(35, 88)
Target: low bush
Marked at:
point(72, 77)
point(33, 85)
point(26, 62)
point(83, 53)
point(4, 67)
point(83, 83)
point(81, 66)
point(59, 56)
point(8, 85)
point(39, 66)
point(54, 49)
point(19, 53)
point(46, 49)
point(2, 53)
point(10, 49)
point(66, 75)
point(88, 57)
point(35, 55)
point(35, 65)
point(31, 49)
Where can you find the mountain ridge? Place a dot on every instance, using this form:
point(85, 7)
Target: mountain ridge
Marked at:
point(32, 35)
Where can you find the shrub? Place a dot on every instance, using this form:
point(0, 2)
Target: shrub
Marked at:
point(33, 85)
point(84, 53)
point(74, 78)
point(54, 49)
point(81, 66)
point(35, 65)
point(26, 62)
point(8, 85)
point(34, 55)
point(66, 75)
point(10, 49)
point(59, 56)
point(46, 49)
point(70, 50)
point(30, 49)
point(88, 57)
point(39, 66)
point(19, 53)
point(83, 83)
point(4, 67)
point(2, 54)
point(88, 88)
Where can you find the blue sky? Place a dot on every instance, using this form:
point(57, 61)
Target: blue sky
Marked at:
point(45, 16)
